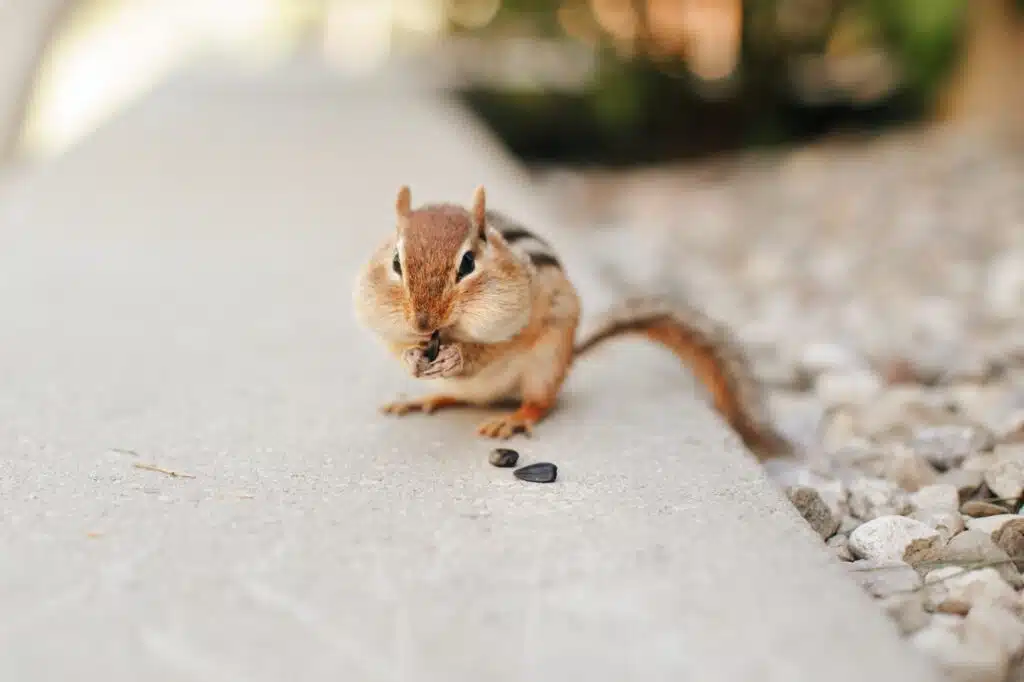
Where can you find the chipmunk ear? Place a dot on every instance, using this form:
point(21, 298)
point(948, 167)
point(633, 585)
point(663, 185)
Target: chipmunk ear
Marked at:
point(403, 203)
point(403, 206)
point(479, 213)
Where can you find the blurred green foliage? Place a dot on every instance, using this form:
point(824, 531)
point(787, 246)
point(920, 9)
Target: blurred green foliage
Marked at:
point(924, 35)
point(645, 109)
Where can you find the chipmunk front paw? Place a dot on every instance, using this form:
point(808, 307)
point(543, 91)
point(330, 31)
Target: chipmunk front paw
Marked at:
point(426, 405)
point(447, 364)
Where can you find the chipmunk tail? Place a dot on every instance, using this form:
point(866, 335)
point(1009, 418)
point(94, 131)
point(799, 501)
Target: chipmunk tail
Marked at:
point(710, 351)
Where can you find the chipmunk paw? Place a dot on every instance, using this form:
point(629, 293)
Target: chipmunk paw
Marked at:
point(426, 405)
point(507, 425)
point(447, 364)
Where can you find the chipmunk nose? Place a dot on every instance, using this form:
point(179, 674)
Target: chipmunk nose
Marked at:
point(423, 321)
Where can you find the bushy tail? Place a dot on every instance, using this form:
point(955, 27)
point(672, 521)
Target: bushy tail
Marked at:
point(709, 350)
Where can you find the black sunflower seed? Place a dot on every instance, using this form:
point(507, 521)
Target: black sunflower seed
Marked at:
point(433, 347)
point(503, 457)
point(541, 472)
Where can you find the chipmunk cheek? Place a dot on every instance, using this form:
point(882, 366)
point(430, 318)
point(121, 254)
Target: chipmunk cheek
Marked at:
point(465, 302)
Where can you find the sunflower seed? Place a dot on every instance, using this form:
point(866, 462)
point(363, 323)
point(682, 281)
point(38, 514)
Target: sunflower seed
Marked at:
point(503, 457)
point(433, 347)
point(541, 472)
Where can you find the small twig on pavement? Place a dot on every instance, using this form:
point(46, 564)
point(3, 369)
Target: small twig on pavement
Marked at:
point(973, 563)
point(161, 470)
point(123, 451)
point(997, 499)
point(967, 564)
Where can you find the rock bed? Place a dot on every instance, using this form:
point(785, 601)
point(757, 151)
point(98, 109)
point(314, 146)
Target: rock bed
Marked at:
point(879, 286)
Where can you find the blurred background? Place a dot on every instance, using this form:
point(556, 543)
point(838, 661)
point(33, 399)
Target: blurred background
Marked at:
point(606, 82)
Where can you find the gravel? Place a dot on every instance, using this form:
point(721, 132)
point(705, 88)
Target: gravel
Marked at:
point(970, 587)
point(885, 578)
point(878, 287)
point(980, 508)
point(1010, 539)
point(871, 498)
point(814, 510)
point(891, 538)
point(1006, 478)
point(940, 497)
point(991, 524)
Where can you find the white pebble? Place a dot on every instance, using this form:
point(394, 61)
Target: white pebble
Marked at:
point(909, 471)
point(847, 387)
point(947, 445)
point(821, 357)
point(1011, 422)
point(907, 611)
point(1009, 451)
point(990, 524)
point(888, 538)
point(1005, 478)
point(994, 623)
point(940, 497)
point(870, 498)
point(963, 658)
point(1004, 287)
point(973, 587)
point(980, 462)
point(947, 524)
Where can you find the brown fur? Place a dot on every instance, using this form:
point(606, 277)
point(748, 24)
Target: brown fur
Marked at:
point(510, 326)
point(711, 353)
point(431, 237)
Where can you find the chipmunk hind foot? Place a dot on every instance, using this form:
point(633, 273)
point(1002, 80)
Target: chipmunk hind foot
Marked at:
point(521, 421)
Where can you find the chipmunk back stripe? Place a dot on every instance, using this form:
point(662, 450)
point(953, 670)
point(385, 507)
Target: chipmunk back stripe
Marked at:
point(511, 231)
point(514, 234)
point(541, 260)
point(524, 241)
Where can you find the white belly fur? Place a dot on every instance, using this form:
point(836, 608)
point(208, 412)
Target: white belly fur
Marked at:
point(500, 381)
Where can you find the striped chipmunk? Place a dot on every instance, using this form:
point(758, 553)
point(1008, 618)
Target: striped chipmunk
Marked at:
point(481, 305)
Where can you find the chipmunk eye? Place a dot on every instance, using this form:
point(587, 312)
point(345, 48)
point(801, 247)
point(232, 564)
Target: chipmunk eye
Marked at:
point(396, 265)
point(466, 265)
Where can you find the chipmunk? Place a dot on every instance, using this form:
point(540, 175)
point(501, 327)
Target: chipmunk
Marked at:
point(477, 302)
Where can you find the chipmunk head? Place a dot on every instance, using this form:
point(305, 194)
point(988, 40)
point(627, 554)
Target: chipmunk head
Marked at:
point(444, 269)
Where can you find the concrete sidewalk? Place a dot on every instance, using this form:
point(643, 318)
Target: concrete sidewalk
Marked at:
point(176, 292)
